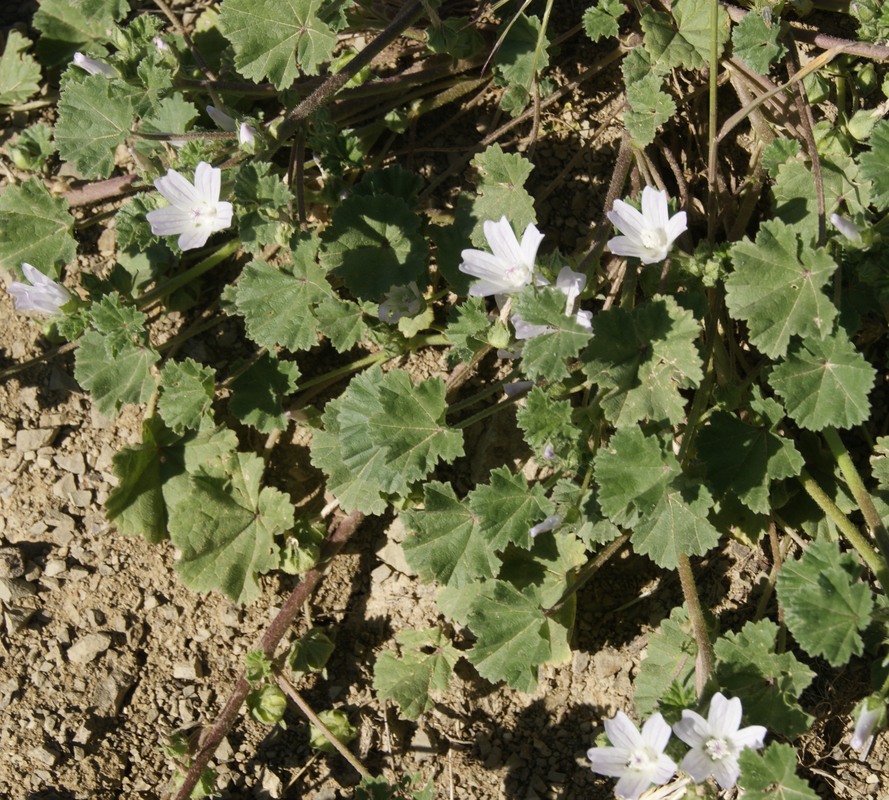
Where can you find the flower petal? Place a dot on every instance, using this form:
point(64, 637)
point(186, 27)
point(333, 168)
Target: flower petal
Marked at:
point(610, 761)
point(531, 240)
point(223, 217)
point(626, 246)
point(726, 772)
point(503, 243)
point(623, 733)
point(654, 207)
point(752, 736)
point(177, 190)
point(697, 765)
point(627, 219)
point(693, 729)
point(223, 121)
point(169, 220)
point(676, 227)
point(632, 784)
point(207, 182)
point(724, 715)
point(656, 733)
point(193, 238)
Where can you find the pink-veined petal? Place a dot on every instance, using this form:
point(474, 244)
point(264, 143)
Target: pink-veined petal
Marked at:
point(223, 121)
point(480, 264)
point(35, 276)
point(654, 207)
point(664, 770)
point(571, 284)
point(169, 220)
point(503, 242)
point(623, 733)
point(207, 182)
point(177, 190)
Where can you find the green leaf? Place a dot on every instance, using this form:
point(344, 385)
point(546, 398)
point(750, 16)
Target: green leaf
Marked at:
point(257, 395)
point(875, 165)
point(546, 355)
point(522, 54)
point(468, 331)
point(506, 509)
point(19, 71)
point(777, 153)
point(267, 704)
point(173, 114)
point(133, 229)
point(277, 302)
point(257, 667)
point(649, 108)
point(776, 287)
point(410, 679)
point(796, 197)
point(341, 321)
point(684, 40)
point(35, 227)
point(68, 25)
point(756, 43)
point(825, 383)
point(410, 425)
point(225, 529)
point(187, 391)
point(825, 603)
point(771, 683)
point(445, 544)
point(677, 525)
point(633, 473)
point(501, 191)
point(381, 435)
point(153, 476)
point(744, 457)
point(310, 652)
point(771, 775)
point(114, 360)
point(94, 118)
point(600, 21)
point(670, 658)
point(641, 359)
point(879, 462)
point(374, 243)
point(274, 39)
point(513, 635)
point(547, 421)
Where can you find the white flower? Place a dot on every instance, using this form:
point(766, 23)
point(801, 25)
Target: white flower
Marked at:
point(509, 266)
point(160, 44)
point(517, 388)
point(846, 227)
point(41, 293)
point(223, 121)
point(871, 716)
point(400, 301)
point(637, 759)
point(647, 235)
point(246, 134)
point(571, 284)
point(550, 523)
point(194, 212)
point(717, 741)
point(94, 67)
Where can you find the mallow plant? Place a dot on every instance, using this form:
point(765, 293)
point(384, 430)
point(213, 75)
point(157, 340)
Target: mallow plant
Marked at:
point(708, 366)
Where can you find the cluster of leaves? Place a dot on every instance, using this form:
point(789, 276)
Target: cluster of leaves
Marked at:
point(695, 406)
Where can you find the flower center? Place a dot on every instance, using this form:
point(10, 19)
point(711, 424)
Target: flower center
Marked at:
point(517, 275)
point(653, 238)
point(641, 760)
point(718, 749)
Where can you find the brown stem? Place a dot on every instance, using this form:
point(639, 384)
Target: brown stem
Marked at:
point(100, 190)
point(704, 662)
point(274, 633)
point(297, 699)
point(334, 83)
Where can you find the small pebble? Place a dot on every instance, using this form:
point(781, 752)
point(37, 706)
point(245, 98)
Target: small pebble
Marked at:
point(14, 589)
point(32, 440)
point(12, 565)
point(55, 566)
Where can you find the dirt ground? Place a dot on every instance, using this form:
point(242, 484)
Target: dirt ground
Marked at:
point(103, 652)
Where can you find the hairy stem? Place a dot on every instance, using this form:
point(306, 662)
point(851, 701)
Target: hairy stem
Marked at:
point(852, 534)
point(704, 662)
point(271, 638)
point(859, 492)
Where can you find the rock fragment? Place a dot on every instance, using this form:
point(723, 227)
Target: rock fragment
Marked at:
point(28, 441)
point(12, 565)
point(88, 647)
point(14, 589)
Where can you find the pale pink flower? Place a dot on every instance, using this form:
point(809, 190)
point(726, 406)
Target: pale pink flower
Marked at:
point(41, 293)
point(195, 211)
point(509, 266)
point(94, 67)
point(649, 234)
